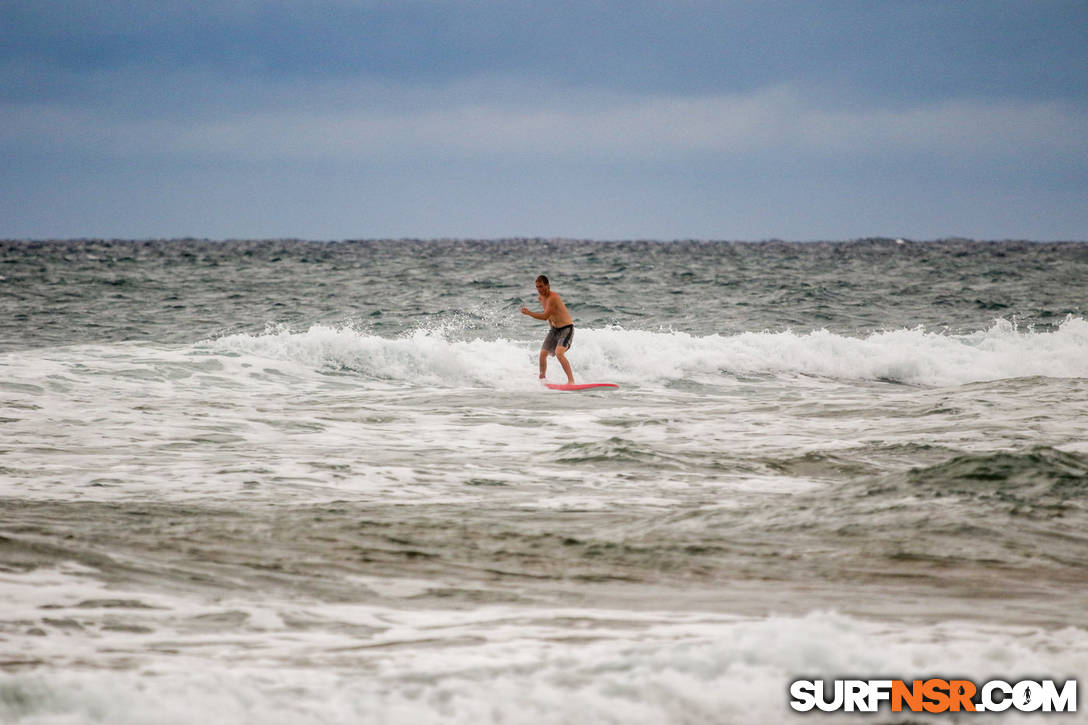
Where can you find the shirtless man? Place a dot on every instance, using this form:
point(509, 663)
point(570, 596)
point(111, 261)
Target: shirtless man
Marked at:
point(561, 332)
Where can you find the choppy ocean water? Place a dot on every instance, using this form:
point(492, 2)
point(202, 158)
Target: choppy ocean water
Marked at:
point(319, 482)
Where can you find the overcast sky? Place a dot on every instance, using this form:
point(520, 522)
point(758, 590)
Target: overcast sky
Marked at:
point(600, 119)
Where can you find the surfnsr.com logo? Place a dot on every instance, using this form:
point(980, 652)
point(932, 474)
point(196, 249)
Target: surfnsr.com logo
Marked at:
point(933, 695)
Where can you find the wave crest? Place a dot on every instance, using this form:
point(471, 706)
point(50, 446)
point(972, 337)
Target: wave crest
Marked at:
point(911, 356)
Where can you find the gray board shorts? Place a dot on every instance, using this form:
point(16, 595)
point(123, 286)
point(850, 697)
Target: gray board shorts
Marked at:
point(558, 336)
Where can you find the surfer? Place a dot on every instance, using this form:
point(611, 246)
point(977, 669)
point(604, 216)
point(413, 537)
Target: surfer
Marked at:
point(561, 327)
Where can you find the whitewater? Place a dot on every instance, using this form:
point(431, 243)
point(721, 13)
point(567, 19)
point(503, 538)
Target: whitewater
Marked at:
point(655, 358)
point(310, 482)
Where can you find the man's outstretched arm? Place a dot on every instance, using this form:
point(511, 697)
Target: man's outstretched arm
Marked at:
point(535, 315)
point(545, 314)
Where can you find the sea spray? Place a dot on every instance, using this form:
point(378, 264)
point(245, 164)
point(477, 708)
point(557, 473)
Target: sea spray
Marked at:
point(435, 355)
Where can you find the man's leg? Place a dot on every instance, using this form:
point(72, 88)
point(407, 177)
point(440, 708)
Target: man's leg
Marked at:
point(543, 363)
point(561, 355)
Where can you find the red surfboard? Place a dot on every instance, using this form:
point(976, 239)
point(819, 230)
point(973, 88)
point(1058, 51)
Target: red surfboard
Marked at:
point(580, 386)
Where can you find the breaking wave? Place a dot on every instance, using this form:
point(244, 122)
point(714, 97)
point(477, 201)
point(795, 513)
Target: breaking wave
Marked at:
point(911, 356)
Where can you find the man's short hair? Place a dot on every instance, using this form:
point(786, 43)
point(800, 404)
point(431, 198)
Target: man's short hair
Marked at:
point(543, 279)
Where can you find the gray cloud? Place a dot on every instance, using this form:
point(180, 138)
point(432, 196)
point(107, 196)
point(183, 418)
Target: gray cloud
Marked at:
point(558, 124)
point(428, 118)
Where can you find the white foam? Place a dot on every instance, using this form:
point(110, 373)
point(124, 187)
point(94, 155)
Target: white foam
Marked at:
point(496, 664)
point(424, 356)
point(915, 356)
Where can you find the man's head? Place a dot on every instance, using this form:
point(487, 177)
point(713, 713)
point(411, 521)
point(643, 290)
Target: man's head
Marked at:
point(542, 284)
